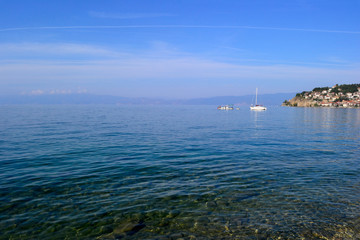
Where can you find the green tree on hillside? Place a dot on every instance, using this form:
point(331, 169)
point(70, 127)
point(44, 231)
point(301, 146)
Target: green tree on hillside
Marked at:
point(349, 88)
point(320, 89)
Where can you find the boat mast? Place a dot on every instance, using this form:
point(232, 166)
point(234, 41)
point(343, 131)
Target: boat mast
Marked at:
point(256, 97)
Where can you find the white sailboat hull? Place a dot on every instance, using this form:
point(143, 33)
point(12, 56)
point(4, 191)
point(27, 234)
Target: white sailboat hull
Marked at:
point(258, 108)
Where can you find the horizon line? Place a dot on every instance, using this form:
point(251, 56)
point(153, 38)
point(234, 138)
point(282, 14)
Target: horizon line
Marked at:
point(39, 92)
point(178, 26)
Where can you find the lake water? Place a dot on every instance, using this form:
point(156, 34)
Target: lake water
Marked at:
point(179, 172)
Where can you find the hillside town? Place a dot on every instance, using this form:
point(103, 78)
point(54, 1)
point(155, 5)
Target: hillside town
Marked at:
point(345, 96)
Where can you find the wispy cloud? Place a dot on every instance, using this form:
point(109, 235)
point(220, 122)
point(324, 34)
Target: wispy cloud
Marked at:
point(128, 15)
point(156, 70)
point(54, 92)
point(234, 49)
point(168, 69)
point(175, 77)
point(183, 26)
point(59, 49)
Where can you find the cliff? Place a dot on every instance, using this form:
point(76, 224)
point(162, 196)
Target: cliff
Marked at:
point(299, 102)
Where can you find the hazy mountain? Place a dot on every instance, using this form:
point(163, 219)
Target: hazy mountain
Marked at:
point(266, 99)
point(75, 99)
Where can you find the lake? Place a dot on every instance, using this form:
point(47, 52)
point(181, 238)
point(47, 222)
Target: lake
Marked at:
point(178, 172)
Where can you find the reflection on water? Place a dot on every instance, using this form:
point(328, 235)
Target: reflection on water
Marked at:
point(179, 172)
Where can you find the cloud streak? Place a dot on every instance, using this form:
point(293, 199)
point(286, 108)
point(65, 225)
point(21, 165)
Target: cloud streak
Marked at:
point(181, 26)
point(56, 49)
point(128, 15)
point(54, 92)
point(180, 77)
point(156, 71)
point(166, 69)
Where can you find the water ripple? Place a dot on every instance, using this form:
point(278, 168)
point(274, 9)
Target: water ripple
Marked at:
point(110, 172)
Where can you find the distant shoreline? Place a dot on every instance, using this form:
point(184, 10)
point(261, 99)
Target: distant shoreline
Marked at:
point(338, 96)
point(87, 98)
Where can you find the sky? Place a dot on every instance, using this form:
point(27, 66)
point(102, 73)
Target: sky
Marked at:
point(177, 49)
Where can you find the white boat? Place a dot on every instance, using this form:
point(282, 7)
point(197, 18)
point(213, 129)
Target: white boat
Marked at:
point(257, 107)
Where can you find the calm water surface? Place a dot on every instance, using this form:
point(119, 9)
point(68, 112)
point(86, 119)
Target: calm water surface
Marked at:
point(179, 172)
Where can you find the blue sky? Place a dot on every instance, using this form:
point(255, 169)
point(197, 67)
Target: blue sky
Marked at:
point(177, 49)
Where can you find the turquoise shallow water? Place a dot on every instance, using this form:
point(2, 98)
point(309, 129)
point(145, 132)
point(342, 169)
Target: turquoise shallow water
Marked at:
point(179, 172)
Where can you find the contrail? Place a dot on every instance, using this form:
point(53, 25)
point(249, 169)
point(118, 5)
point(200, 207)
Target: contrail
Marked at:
point(179, 26)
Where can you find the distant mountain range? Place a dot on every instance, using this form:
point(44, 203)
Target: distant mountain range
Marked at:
point(266, 99)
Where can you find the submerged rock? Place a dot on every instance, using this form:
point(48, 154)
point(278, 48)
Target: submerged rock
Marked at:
point(211, 204)
point(173, 214)
point(105, 229)
point(123, 230)
point(176, 236)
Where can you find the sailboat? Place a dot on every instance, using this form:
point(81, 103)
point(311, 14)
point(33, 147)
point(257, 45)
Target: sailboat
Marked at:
point(257, 107)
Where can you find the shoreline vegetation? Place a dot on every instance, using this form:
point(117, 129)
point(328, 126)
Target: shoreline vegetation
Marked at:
point(338, 96)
